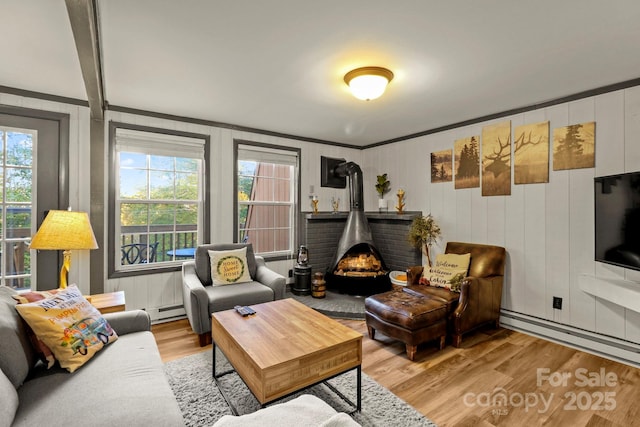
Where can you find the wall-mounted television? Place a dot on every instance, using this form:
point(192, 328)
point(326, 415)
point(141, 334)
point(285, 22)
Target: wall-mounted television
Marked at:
point(617, 219)
point(327, 176)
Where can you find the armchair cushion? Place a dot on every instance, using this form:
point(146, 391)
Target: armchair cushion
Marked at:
point(229, 267)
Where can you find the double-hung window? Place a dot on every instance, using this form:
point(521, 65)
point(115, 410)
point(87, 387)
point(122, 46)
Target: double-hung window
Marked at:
point(159, 204)
point(267, 189)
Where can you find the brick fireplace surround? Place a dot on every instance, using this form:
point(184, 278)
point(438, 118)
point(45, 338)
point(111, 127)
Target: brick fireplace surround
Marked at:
point(321, 233)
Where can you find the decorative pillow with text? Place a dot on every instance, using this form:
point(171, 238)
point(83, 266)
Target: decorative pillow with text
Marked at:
point(69, 325)
point(449, 270)
point(44, 352)
point(229, 267)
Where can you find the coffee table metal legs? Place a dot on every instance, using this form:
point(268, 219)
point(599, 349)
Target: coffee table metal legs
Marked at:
point(222, 374)
point(357, 405)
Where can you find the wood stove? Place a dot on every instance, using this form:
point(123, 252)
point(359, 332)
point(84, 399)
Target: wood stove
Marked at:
point(357, 267)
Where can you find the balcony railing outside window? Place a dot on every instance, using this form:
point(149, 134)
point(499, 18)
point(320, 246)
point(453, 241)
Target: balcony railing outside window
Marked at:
point(185, 238)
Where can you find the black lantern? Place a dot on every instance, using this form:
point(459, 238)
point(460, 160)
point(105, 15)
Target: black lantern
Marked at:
point(303, 255)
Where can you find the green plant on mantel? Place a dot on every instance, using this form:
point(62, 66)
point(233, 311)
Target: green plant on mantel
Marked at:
point(423, 233)
point(382, 184)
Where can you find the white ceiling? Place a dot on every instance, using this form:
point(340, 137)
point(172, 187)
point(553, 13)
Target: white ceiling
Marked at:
point(278, 65)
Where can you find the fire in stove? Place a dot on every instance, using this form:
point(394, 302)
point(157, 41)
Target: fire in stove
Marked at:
point(360, 265)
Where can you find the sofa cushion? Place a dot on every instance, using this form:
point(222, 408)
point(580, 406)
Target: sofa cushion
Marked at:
point(44, 353)
point(122, 385)
point(69, 325)
point(448, 270)
point(17, 356)
point(10, 400)
point(229, 267)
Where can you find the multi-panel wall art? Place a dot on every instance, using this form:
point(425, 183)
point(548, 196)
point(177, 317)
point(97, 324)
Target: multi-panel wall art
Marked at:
point(573, 148)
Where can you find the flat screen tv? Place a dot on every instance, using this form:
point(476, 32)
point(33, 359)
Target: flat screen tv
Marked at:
point(617, 219)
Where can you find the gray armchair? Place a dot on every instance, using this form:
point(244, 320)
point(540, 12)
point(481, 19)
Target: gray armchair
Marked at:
point(201, 299)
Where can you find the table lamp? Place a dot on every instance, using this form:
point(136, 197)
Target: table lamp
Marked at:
point(64, 230)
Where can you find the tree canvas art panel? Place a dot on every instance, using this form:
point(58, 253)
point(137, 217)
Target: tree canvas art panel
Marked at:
point(531, 153)
point(574, 146)
point(467, 162)
point(441, 169)
point(496, 159)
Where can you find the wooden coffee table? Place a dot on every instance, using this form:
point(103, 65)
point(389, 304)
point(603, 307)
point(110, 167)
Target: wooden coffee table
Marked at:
point(285, 347)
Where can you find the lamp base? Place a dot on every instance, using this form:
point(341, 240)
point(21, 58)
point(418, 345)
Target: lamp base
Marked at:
point(64, 271)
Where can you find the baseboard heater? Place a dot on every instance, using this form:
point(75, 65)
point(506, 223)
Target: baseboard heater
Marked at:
point(167, 313)
point(608, 347)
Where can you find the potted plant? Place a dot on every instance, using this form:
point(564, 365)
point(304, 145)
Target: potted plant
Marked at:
point(423, 233)
point(382, 186)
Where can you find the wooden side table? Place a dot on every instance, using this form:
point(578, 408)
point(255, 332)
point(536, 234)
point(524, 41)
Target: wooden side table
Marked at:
point(109, 302)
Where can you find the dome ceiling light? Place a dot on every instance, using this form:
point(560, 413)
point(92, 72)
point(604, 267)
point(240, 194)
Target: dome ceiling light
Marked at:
point(368, 83)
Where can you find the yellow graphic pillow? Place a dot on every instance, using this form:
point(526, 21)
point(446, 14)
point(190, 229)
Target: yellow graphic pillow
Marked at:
point(229, 267)
point(44, 353)
point(449, 270)
point(69, 325)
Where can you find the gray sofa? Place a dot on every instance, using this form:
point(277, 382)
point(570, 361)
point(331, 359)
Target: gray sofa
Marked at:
point(122, 385)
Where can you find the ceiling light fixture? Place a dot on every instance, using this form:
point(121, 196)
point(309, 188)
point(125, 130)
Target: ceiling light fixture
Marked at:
point(368, 83)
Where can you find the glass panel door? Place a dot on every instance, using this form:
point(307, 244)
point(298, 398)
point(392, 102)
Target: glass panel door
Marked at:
point(17, 181)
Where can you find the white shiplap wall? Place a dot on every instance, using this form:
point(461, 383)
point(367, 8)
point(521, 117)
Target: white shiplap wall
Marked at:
point(547, 229)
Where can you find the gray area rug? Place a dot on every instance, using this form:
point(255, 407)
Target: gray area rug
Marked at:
point(334, 304)
point(202, 404)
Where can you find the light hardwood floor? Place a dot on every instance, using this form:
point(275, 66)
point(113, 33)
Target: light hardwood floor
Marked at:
point(543, 383)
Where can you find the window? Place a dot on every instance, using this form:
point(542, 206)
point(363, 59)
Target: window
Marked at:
point(17, 148)
point(158, 199)
point(267, 188)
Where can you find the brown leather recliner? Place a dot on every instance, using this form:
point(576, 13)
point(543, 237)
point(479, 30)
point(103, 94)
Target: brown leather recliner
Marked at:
point(478, 302)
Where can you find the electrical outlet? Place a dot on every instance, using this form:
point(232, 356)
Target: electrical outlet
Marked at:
point(290, 273)
point(557, 303)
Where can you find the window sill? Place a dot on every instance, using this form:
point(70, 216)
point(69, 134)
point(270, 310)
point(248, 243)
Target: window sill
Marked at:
point(144, 271)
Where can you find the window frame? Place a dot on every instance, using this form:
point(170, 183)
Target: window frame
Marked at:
point(113, 227)
point(295, 207)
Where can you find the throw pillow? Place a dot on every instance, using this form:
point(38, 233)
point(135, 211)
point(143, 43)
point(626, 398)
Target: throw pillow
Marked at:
point(69, 325)
point(449, 270)
point(229, 267)
point(44, 353)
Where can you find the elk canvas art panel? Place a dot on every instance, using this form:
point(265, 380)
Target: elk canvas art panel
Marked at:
point(441, 166)
point(496, 159)
point(531, 153)
point(467, 162)
point(574, 146)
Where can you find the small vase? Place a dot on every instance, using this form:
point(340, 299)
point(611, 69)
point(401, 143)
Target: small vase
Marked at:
point(318, 285)
point(382, 205)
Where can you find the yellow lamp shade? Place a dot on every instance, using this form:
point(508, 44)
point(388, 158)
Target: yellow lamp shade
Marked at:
point(65, 230)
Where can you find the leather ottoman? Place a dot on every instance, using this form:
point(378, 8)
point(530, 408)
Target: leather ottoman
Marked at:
point(409, 318)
